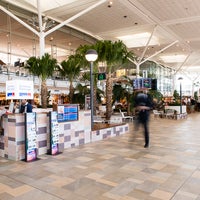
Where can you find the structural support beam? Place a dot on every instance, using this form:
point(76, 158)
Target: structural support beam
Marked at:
point(182, 63)
point(74, 17)
point(159, 51)
point(19, 20)
point(146, 47)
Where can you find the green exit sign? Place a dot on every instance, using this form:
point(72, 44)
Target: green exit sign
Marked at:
point(101, 76)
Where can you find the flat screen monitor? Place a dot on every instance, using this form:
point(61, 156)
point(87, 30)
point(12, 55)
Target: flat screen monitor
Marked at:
point(67, 112)
point(140, 83)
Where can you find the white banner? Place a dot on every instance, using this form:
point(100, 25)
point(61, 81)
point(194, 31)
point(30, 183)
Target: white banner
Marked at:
point(19, 89)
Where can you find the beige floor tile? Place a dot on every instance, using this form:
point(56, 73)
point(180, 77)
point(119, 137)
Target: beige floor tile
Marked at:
point(115, 168)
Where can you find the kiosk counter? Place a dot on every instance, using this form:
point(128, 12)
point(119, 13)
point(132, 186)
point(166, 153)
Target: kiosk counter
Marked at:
point(12, 139)
point(24, 139)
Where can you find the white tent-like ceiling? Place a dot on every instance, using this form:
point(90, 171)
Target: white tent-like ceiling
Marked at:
point(165, 31)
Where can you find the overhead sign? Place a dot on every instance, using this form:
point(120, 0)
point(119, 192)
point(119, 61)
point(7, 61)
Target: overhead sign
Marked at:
point(141, 83)
point(19, 89)
point(101, 76)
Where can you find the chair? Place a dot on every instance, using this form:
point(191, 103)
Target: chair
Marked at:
point(169, 114)
point(157, 114)
point(98, 119)
point(124, 117)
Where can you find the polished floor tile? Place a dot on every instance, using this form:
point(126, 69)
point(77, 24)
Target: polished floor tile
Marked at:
point(117, 168)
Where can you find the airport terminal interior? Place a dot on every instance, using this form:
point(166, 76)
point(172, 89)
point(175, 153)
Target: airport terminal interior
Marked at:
point(100, 158)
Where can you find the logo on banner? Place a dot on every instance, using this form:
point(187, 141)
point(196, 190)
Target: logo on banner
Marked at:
point(22, 94)
point(10, 94)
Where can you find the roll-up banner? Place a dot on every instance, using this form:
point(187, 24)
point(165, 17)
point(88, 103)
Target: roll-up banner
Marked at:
point(54, 133)
point(30, 137)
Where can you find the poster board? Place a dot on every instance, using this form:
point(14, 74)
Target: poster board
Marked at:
point(54, 133)
point(30, 137)
point(19, 89)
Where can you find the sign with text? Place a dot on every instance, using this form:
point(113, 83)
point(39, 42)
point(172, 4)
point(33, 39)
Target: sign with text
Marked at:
point(141, 83)
point(19, 89)
point(67, 112)
point(30, 137)
point(54, 133)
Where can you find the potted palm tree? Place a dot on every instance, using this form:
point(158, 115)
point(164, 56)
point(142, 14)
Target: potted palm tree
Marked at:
point(43, 68)
point(70, 70)
point(114, 54)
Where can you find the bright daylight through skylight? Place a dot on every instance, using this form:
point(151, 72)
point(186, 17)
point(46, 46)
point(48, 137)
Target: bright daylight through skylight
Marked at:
point(138, 40)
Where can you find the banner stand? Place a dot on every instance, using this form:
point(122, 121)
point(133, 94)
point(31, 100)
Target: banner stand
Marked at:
point(30, 137)
point(54, 133)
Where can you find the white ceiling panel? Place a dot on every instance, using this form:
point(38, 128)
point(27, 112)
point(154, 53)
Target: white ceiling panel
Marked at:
point(174, 22)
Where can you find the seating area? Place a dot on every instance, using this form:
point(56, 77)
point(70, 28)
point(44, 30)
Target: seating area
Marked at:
point(125, 117)
point(169, 114)
point(98, 119)
point(157, 114)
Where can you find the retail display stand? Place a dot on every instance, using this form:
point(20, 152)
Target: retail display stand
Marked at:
point(54, 133)
point(30, 137)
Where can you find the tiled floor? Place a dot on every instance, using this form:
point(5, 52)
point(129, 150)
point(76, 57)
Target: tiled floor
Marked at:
point(115, 169)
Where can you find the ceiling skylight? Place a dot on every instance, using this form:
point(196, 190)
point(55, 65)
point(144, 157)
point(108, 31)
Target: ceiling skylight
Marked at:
point(138, 40)
point(173, 58)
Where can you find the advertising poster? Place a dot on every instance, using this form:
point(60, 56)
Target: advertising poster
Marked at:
point(19, 89)
point(54, 133)
point(30, 137)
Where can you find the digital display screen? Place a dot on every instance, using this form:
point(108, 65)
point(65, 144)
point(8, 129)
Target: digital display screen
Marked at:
point(140, 83)
point(67, 112)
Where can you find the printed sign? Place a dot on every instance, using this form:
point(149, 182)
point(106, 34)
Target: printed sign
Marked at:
point(19, 89)
point(30, 137)
point(54, 133)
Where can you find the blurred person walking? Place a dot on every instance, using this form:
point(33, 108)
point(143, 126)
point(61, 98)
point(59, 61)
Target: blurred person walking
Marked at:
point(144, 104)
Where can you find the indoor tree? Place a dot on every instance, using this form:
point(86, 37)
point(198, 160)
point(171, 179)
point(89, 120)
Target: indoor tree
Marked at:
point(114, 54)
point(70, 70)
point(43, 68)
point(123, 89)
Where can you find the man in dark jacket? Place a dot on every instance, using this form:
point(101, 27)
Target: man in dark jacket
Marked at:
point(143, 103)
point(26, 107)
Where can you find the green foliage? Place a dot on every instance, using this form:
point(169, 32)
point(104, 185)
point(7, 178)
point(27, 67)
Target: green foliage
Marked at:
point(41, 67)
point(176, 95)
point(70, 69)
point(196, 96)
point(156, 95)
point(113, 53)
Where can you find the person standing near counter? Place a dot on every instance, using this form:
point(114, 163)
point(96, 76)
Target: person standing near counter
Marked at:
point(26, 107)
